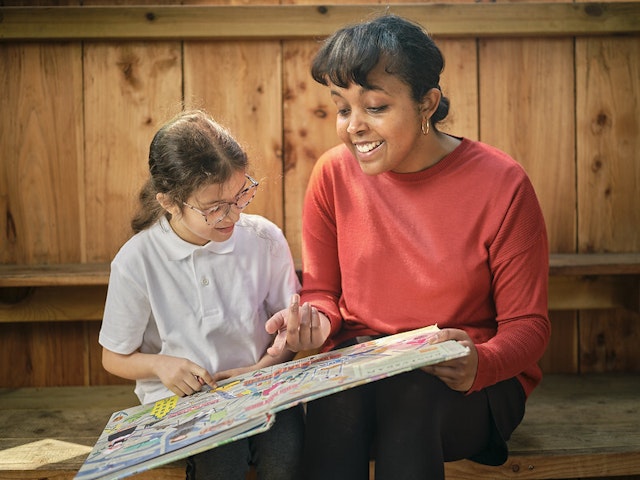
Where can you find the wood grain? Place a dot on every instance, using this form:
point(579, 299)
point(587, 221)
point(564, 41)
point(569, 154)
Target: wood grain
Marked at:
point(584, 425)
point(240, 85)
point(128, 90)
point(518, 78)
point(41, 142)
point(305, 21)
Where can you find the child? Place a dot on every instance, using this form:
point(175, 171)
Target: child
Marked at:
point(190, 292)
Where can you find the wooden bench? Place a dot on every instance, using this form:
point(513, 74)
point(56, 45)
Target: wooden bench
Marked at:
point(575, 427)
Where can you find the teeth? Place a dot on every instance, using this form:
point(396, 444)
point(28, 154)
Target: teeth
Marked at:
point(367, 147)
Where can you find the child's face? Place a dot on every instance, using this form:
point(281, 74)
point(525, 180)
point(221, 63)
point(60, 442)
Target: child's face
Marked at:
point(191, 225)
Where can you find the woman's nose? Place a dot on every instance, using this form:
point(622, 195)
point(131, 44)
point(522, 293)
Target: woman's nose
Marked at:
point(356, 124)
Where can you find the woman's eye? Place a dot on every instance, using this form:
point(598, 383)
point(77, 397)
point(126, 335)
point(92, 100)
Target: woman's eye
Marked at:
point(343, 112)
point(379, 109)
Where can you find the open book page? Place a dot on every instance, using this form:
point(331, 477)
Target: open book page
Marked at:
point(151, 435)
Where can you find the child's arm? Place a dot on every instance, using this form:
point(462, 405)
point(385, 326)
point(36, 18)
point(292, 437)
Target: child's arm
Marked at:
point(181, 376)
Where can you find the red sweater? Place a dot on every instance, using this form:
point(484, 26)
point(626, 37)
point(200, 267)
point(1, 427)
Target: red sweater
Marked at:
point(461, 244)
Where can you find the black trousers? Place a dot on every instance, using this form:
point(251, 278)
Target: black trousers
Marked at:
point(412, 424)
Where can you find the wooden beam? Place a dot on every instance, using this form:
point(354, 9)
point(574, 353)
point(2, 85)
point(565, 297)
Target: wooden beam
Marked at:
point(67, 274)
point(309, 21)
point(77, 292)
point(594, 264)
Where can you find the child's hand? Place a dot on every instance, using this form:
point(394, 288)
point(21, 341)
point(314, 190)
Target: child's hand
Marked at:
point(299, 328)
point(182, 376)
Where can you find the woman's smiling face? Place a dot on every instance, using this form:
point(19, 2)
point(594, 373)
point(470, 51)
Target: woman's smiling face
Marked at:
point(380, 124)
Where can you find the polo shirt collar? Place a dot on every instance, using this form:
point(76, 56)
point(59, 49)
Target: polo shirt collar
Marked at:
point(177, 249)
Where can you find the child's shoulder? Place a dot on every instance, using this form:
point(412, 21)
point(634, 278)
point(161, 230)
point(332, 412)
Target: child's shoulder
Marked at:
point(259, 225)
point(138, 245)
point(256, 229)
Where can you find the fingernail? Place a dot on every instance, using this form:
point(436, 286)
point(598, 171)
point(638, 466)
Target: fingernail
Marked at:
point(295, 300)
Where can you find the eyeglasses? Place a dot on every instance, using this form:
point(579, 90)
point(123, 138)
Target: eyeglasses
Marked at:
point(220, 210)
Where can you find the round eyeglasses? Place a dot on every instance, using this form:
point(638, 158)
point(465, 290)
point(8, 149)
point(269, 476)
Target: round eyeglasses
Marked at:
point(221, 209)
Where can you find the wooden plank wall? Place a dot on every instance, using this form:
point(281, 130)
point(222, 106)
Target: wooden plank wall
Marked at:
point(77, 116)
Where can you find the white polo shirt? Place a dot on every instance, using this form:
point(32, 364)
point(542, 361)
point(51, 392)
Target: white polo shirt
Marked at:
point(205, 303)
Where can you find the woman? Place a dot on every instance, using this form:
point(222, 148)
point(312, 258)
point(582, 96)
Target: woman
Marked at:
point(405, 226)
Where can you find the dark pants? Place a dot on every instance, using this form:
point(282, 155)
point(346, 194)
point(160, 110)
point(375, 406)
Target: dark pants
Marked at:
point(276, 453)
point(411, 423)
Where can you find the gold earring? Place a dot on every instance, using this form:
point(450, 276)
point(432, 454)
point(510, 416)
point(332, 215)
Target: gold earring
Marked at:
point(424, 126)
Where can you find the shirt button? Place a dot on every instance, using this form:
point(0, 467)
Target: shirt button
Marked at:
point(204, 281)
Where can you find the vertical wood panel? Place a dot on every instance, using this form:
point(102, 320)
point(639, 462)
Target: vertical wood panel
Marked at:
point(129, 88)
point(609, 342)
point(309, 130)
point(42, 354)
point(41, 147)
point(608, 152)
point(608, 143)
point(562, 354)
point(526, 109)
point(240, 84)
point(459, 82)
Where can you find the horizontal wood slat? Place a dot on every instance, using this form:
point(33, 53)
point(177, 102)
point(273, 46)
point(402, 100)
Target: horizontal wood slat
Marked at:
point(54, 275)
point(560, 264)
point(77, 292)
point(308, 21)
point(594, 264)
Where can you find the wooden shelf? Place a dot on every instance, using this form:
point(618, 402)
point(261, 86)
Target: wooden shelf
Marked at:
point(75, 292)
point(594, 264)
point(70, 274)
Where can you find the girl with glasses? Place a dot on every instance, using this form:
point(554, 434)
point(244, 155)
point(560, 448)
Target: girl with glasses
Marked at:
point(406, 226)
point(190, 292)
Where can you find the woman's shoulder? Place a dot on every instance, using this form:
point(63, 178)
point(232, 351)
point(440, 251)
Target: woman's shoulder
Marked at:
point(334, 157)
point(490, 159)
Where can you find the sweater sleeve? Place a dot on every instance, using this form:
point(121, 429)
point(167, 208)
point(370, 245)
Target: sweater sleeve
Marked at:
point(321, 269)
point(519, 261)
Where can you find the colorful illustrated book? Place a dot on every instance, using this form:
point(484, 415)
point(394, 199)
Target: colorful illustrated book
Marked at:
point(147, 436)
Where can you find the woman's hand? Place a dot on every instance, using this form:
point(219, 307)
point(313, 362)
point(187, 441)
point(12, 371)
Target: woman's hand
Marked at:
point(459, 373)
point(181, 376)
point(299, 328)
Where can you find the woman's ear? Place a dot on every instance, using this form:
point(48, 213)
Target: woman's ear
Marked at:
point(430, 102)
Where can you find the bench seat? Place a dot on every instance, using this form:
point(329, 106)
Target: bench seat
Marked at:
point(576, 426)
